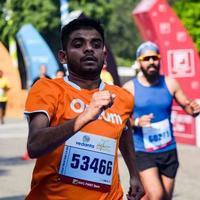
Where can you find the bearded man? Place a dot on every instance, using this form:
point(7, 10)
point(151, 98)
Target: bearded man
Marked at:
point(155, 145)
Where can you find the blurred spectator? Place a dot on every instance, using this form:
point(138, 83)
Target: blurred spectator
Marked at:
point(60, 73)
point(42, 74)
point(4, 87)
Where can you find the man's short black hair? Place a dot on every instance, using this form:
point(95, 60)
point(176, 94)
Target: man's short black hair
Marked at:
point(77, 24)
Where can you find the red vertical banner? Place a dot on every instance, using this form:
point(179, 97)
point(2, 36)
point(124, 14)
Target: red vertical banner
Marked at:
point(157, 22)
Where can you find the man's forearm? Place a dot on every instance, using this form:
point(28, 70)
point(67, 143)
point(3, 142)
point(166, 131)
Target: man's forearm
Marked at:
point(46, 139)
point(127, 150)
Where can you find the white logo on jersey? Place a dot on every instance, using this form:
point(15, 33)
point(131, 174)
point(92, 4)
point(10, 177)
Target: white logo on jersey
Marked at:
point(111, 117)
point(78, 106)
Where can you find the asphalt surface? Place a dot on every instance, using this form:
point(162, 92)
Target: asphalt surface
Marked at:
point(15, 174)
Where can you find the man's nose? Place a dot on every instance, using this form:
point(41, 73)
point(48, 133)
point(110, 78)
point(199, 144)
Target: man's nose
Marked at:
point(88, 47)
point(151, 60)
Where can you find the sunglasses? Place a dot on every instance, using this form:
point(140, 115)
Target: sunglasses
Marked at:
point(147, 58)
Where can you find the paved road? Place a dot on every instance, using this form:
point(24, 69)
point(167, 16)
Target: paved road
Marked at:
point(15, 174)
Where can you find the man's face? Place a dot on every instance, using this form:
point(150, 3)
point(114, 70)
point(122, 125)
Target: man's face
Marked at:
point(150, 65)
point(84, 53)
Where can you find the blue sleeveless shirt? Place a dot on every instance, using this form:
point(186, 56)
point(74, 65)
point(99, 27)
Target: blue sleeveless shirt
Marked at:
point(154, 99)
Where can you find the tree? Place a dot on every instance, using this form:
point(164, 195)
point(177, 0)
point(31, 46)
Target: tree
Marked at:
point(189, 13)
point(16, 13)
point(122, 32)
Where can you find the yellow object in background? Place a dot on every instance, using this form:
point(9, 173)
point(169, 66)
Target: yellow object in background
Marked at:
point(106, 76)
point(4, 86)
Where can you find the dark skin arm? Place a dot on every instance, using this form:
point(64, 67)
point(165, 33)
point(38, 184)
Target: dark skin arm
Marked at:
point(126, 147)
point(191, 107)
point(43, 139)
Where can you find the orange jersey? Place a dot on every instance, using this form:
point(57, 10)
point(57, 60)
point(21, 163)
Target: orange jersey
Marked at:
point(62, 100)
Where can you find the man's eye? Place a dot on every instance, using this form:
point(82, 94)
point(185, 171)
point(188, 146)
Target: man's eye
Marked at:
point(97, 45)
point(77, 45)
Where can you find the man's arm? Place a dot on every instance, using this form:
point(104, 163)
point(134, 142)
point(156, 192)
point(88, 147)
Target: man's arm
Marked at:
point(126, 147)
point(43, 139)
point(190, 106)
point(129, 86)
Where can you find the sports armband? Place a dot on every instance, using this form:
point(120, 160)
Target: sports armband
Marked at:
point(136, 122)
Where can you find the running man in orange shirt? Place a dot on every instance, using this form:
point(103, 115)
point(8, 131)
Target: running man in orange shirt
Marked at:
point(77, 123)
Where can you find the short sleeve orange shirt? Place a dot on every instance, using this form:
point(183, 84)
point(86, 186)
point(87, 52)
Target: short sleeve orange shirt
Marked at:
point(62, 100)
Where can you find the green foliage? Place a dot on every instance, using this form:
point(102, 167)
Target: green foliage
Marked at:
point(189, 13)
point(122, 33)
point(124, 62)
point(98, 9)
point(15, 13)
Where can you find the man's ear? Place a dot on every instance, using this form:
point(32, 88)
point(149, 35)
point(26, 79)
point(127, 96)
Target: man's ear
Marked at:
point(105, 55)
point(62, 57)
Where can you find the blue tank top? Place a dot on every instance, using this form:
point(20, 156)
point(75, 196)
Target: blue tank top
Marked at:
point(154, 99)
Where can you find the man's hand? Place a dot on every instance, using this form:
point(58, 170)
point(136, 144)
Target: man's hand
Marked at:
point(100, 101)
point(193, 106)
point(126, 146)
point(136, 190)
point(145, 120)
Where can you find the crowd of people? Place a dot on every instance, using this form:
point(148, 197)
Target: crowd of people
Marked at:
point(77, 122)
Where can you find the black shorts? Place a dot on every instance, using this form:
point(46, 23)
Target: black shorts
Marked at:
point(3, 105)
point(166, 162)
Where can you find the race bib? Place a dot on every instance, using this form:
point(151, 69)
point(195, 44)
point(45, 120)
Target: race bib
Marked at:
point(88, 161)
point(157, 136)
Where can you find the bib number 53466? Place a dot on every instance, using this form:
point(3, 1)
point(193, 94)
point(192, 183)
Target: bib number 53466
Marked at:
point(84, 163)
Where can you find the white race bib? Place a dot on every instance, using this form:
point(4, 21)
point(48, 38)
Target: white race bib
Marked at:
point(88, 161)
point(157, 136)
